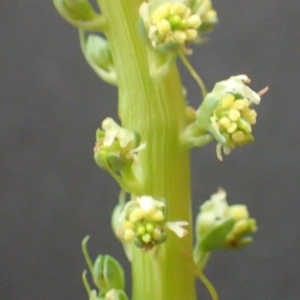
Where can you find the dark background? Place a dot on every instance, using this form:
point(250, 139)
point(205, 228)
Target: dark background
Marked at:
point(53, 194)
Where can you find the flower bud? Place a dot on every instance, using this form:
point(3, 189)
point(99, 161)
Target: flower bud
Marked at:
point(116, 148)
point(115, 295)
point(113, 274)
point(77, 10)
point(108, 273)
point(220, 226)
point(97, 50)
point(143, 221)
point(98, 272)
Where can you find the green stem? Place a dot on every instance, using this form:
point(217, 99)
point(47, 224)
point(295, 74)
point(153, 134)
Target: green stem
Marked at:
point(194, 74)
point(212, 291)
point(154, 107)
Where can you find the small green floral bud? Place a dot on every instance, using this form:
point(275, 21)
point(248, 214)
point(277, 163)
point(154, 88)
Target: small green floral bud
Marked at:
point(128, 235)
point(93, 295)
point(227, 114)
point(113, 274)
point(143, 221)
point(141, 230)
point(115, 146)
point(79, 10)
point(98, 51)
point(169, 25)
point(115, 295)
point(98, 272)
point(219, 225)
point(108, 273)
point(150, 227)
point(190, 114)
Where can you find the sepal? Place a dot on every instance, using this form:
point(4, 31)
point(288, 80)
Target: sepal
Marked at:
point(96, 51)
point(80, 14)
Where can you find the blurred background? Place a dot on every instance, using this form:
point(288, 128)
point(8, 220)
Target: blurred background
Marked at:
point(53, 194)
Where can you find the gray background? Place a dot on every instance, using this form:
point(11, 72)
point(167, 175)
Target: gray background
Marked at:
point(52, 193)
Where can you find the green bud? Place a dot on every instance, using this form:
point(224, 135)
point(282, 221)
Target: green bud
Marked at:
point(113, 274)
point(108, 273)
point(100, 134)
point(115, 295)
point(77, 10)
point(163, 238)
point(97, 273)
point(98, 51)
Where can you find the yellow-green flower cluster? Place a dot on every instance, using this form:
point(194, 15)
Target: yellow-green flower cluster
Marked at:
point(116, 147)
point(169, 24)
point(224, 226)
point(234, 117)
point(227, 114)
point(143, 220)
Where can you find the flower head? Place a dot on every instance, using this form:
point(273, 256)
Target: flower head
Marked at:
point(230, 113)
point(143, 220)
point(169, 25)
point(222, 226)
point(116, 146)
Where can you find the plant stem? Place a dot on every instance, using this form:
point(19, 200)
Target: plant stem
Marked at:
point(155, 108)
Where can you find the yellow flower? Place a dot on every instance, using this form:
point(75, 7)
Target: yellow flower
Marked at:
point(169, 24)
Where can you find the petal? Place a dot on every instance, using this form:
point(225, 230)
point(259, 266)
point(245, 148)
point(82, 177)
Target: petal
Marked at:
point(146, 203)
point(177, 227)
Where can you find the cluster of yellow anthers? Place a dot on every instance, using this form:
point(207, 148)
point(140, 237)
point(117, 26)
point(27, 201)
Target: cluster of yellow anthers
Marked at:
point(234, 118)
point(143, 220)
point(243, 222)
point(170, 23)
